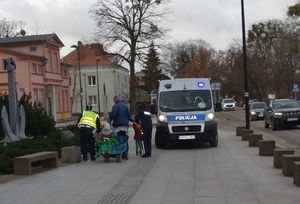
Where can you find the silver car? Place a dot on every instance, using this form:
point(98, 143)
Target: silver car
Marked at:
point(257, 110)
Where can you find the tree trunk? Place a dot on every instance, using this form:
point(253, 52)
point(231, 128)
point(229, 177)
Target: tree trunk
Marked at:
point(256, 87)
point(132, 86)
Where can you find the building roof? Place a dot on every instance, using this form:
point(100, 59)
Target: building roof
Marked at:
point(30, 38)
point(90, 55)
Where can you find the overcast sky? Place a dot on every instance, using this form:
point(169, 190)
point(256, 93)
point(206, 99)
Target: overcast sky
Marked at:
point(217, 22)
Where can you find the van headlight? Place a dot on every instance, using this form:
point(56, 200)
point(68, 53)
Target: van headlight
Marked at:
point(253, 113)
point(209, 116)
point(162, 118)
point(277, 115)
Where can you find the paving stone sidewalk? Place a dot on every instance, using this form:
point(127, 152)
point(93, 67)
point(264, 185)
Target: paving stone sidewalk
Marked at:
point(231, 173)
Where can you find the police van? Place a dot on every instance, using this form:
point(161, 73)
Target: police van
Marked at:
point(185, 112)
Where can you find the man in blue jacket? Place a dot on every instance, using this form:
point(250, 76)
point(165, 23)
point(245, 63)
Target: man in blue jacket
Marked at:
point(120, 116)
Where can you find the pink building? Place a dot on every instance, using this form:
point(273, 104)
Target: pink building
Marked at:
point(38, 71)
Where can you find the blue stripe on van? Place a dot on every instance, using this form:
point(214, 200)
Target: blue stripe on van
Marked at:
point(186, 117)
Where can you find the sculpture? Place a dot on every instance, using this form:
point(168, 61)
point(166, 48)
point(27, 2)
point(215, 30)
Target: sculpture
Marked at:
point(14, 128)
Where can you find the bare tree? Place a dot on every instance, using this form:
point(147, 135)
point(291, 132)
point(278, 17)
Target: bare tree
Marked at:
point(131, 26)
point(11, 28)
point(36, 29)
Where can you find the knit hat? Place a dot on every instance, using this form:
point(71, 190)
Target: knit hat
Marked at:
point(117, 98)
point(106, 129)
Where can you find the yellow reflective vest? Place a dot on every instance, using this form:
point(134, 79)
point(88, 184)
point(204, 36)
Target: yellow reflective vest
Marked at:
point(88, 118)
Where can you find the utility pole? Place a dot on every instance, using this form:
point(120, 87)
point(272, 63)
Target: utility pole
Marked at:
point(246, 93)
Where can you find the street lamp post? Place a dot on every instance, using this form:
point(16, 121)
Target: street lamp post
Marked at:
point(78, 58)
point(246, 93)
point(98, 88)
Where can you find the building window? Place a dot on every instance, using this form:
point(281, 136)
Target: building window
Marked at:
point(40, 69)
point(50, 63)
point(92, 80)
point(66, 101)
point(41, 98)
point(33, 68)
point(32, 49)
point(55, 66)
point(2, 64)
point(92, 100)
point(58, 108)
point(35, 95)
point(64, 74)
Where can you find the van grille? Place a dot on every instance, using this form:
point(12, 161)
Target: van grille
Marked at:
point(194, 128)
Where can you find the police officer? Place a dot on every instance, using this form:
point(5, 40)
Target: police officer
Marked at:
point(89, 124)
point(146, 122)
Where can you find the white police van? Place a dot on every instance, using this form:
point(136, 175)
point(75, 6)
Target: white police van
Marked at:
point(185, 112)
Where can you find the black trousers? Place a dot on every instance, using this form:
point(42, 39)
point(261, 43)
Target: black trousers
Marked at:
point(87, 142)
point(147, 136)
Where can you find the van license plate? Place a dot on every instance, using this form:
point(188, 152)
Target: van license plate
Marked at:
point(292, 119)
point(187, 137)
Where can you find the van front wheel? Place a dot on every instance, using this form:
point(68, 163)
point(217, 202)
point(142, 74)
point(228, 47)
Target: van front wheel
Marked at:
point(158, 142)
point(214, 142)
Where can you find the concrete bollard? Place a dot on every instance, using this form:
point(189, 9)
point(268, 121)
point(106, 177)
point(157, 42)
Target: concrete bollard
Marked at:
point(277, 156)
point(254, 138)
point(71, 154)
point(266, 147)
point(239, 130)
point(245, 134)
point(288, 164)
point(297, 173)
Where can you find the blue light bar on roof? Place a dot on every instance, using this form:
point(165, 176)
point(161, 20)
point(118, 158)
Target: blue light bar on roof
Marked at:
point(201, 84)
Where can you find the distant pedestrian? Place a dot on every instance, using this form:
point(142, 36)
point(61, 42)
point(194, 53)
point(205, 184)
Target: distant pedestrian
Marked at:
point(89, 124)
point(138, 138)
point(146, 123)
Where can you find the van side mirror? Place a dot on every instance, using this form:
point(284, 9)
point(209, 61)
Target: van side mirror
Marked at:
point(153, 109)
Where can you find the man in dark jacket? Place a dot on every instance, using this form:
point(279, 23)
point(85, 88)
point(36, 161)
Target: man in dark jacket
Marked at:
point(146, 122)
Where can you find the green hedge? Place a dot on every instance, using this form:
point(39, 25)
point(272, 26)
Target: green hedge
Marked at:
point(53, 142)
point(38, 123)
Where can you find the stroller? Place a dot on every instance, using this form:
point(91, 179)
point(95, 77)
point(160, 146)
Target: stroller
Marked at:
point(113, 143)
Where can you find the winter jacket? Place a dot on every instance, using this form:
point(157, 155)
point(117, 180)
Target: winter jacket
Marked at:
point(120, 114)
point(145, 119)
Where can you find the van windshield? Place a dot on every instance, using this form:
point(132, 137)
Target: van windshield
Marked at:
point(181, 101)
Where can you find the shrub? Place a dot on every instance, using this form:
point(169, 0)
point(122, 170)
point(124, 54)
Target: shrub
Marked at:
point(52, 142)
point(6, 165)
point(38, 123)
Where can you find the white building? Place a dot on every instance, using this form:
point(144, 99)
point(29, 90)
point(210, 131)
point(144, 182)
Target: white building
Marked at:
point(112, 79)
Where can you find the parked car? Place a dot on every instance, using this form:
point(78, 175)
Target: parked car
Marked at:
point(257, 110)
point(298, 101)
point(228, 104)
point(282, 113)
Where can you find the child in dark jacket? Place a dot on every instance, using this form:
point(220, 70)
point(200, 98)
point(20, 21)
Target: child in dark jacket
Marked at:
point(138, 137)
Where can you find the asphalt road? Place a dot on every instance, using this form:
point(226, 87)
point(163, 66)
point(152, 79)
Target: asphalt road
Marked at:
point(288, 136)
